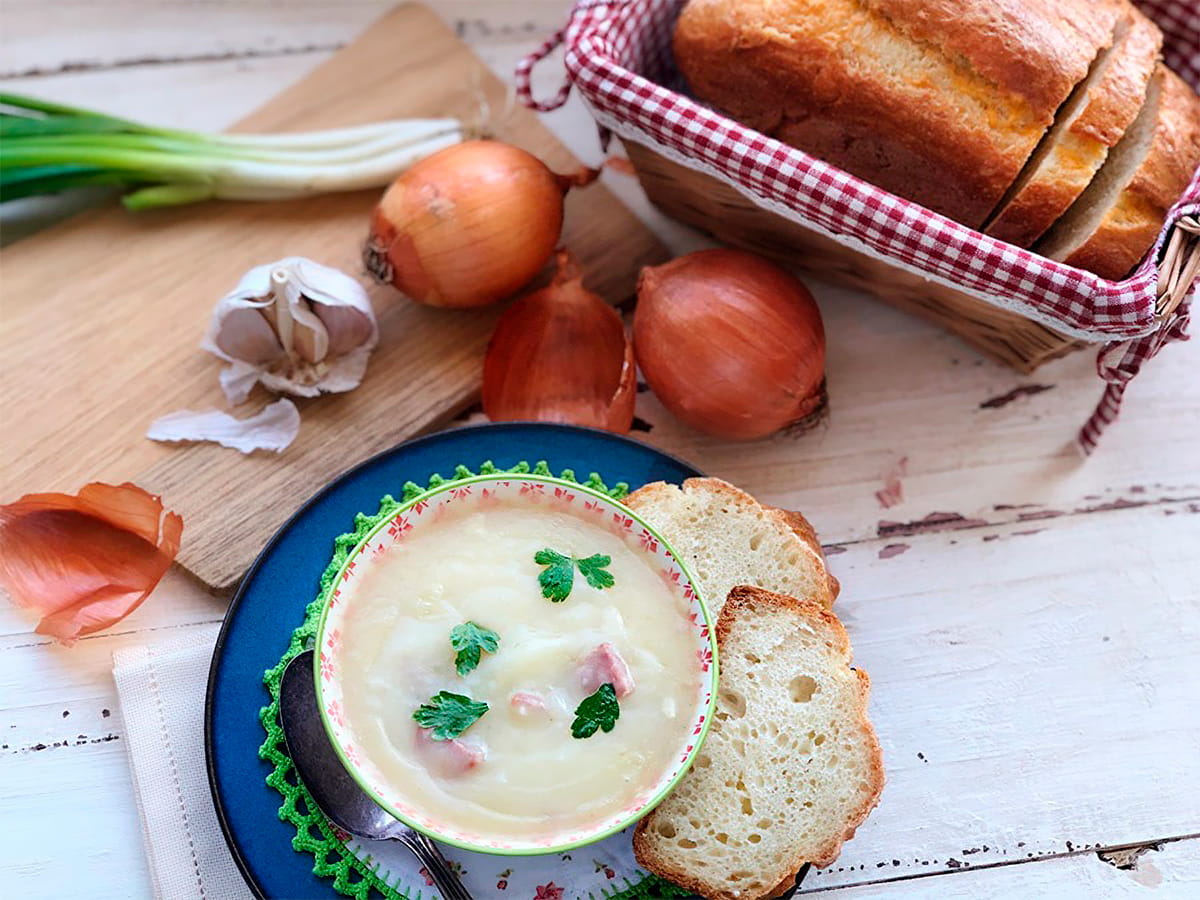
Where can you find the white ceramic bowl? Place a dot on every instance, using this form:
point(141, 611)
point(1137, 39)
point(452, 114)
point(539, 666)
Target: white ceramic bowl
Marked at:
point(557, 495)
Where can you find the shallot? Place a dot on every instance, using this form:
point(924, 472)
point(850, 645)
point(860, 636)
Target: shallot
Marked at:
point(561, 355)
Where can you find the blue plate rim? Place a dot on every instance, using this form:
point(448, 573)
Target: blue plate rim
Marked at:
point(219, 647)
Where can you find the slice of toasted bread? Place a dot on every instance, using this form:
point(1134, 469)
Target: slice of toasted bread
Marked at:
point(726, 537)
point(791, 766)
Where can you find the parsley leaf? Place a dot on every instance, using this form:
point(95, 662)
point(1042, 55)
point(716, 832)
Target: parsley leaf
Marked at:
point(471, 641)
point(448, 715)
point(600, 712)
point(595, 571)
point(559, 575)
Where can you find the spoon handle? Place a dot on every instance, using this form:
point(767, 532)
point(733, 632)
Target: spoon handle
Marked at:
point(436, 865)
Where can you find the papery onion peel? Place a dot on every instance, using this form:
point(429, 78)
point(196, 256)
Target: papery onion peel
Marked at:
point(731, 344)
point(85, 561)
point(561, 354)
point(468, 226)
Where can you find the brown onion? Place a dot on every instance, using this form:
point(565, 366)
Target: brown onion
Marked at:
point(561, 355)
point(732, 344)
point(469, 225)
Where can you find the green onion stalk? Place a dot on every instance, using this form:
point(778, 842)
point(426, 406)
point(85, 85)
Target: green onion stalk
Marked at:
point(47, 147)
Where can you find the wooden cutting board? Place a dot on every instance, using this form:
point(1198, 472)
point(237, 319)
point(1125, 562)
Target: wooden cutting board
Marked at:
point(100, 318)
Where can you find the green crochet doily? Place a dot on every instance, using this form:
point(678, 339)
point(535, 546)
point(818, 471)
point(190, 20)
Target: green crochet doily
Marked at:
point(352, 876)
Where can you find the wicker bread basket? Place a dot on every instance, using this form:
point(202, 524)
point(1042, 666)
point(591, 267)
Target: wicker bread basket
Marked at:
point(750, 191)
point(1006, 336)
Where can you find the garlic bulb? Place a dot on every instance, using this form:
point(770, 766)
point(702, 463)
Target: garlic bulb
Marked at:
point(297, 326)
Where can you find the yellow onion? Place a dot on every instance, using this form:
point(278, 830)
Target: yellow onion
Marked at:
point(730, 343)
point(469, 225)
point(561, 355)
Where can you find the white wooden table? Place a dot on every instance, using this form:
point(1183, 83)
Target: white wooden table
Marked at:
point(1030, 622)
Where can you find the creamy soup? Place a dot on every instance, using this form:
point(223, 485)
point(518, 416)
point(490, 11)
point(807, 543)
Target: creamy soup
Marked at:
point(518, 772)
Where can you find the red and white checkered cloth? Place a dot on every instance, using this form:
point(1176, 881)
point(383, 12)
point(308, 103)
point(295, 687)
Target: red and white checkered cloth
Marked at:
point(618, 54)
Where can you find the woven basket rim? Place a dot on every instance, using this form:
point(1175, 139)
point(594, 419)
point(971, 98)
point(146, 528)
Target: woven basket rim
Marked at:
point(1178, 241)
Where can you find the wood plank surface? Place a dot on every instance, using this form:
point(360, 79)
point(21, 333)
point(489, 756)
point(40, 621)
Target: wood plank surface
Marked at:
point(139, 358)
point(973, 648)
point(989, 587)
point(42, 38)
point(1170, 869)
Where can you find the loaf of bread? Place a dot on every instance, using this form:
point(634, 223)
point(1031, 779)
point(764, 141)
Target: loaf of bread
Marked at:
point(725, 537)
point(1005, 115)
point(791, 766)
point(939, 101)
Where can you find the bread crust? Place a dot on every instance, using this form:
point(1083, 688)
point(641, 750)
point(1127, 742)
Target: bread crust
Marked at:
point(1038, 48)
point(1115, 100)
point(1132, 223)
point(788, 519)
point(783, 67)
point(804, 530)
point(745, 598)
point(1065, 168)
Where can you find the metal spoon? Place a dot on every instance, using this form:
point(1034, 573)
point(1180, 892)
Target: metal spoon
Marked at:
point(335, 792)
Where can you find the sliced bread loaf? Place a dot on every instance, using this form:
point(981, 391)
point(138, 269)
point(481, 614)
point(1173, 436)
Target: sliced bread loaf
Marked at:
point(939, 102)
point(1115, 221)
point(726, 537)
point(791, 766)
point(1092, 120)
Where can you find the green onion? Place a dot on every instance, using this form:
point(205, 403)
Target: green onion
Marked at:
point(47, 147)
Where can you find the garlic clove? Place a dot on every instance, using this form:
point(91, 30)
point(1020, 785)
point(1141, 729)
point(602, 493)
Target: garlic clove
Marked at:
point(246, 334)
point(310, 345)
point(347, 327)
point(253, 292)
point(310, 339)
point(341, 305)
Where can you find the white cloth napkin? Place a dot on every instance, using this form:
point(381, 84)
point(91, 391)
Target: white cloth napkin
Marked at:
point(162, 701)
point(161, 689)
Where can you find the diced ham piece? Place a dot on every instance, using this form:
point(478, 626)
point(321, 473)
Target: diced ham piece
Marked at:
point(449, 758)
point(604, 665)
point(525, 703)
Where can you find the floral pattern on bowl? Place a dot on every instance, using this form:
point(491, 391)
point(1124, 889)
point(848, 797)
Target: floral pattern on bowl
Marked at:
point(552, 492)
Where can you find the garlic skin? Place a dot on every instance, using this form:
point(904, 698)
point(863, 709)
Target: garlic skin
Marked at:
point(273, 428)
point(296, 326)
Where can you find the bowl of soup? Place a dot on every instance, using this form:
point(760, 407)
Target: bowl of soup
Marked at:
point(515, 664)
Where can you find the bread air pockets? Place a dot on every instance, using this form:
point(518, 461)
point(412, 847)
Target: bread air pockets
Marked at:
point(727, 538)
point(791, 766)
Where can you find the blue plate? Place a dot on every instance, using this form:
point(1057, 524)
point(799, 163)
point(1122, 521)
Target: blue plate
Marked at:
point(270, 604)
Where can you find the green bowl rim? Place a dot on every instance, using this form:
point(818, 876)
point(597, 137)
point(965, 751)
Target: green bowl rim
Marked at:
point(697, 744)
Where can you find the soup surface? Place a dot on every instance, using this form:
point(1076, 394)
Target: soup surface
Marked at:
point(518, 771)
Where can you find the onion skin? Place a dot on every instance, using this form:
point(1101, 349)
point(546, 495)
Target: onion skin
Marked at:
point(730, 343)
point(467, 226)
point(560, 354)
point(85, 561)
